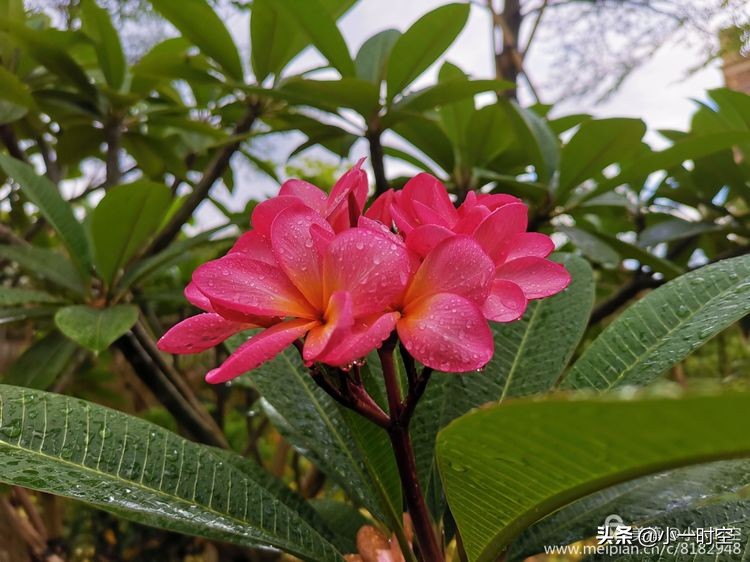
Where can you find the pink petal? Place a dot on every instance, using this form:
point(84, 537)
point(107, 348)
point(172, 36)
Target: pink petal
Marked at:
point(424, 238)
point(352, 184)
point(247, 286)
point(496, 200)
point(529, 244)
point(199, 332)
point(321, 237)
point(426, 215)
point(446, 332)
point(259, 349)
point(196, 298)
point(369, 265)
point(537, 277)
point(380, 210)
point(430, 191)
point(366, 336)
point(471, 219)
point(457, 265)
point(338, 320)
point(494, 233)
point(295, 250)
point(265, 212)
point(255, 246)
point(505, 303)
point(380, 228)
point(310, 195)
point(404, 221)
point(470, 201)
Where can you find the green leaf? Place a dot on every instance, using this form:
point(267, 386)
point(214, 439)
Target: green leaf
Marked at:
point(567, 122)
point(354, 93)
point(675, 229)
point(455, 117)
point(420, 45)
point(17, 314)
point(98, 25)
point(591, 246)
point(665, 326)
point(198, 23)
point(10, 112)
point(288, 497)
point(345, 520)
point(277, 38)
point(170, 60)
point(41, 364)
point(96, 328)
point(11, 296)
point(43, 193)
point(597, 144)
point(534, 134)
point(528, 190)
point(530, 355)
point(448, 91)
point(686, 497)
point(372, 58)
point(271, 35)
point(123, 221)
point(142, 472)
point(15, 96)
point(631, 251)
point(45, 264)
point(375, 448)
point(508, 466)
point(408, 158)
point(488, 134)
point(313, 423)
point(49, 48)
point(320, 26)
point(425, 135)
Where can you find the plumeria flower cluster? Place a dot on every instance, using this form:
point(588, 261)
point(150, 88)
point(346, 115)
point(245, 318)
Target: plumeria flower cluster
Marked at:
point(318, 272)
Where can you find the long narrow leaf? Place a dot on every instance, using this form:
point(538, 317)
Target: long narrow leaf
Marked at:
point(140, 471)
point(517, 462)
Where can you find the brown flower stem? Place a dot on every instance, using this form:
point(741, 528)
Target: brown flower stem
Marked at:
point(352, 394)
point(398, 432)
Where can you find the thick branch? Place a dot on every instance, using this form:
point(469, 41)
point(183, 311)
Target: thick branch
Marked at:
point(150, 374)
point(112, 133)
point(8, 136)
point(378, 164)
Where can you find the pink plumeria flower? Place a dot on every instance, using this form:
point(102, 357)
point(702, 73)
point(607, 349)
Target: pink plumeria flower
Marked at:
point(424, 214)
point(323, 287)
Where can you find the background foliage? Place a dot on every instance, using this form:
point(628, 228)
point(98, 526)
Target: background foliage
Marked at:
point(107, 156)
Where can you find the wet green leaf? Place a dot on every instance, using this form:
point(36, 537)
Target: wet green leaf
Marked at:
point(142, 472)
point(124, 221)
point(96, 328)
point(665, 326)
point(420, 45)
point(519, 461)
point(198, 23)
